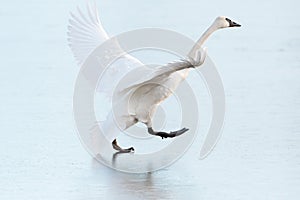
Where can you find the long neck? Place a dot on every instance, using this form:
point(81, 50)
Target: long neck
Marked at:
point(202, 39)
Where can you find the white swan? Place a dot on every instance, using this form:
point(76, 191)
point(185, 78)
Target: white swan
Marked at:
point(138, 99)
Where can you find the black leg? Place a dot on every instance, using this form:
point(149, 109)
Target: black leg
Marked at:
point(121, 150)
point(167, 135)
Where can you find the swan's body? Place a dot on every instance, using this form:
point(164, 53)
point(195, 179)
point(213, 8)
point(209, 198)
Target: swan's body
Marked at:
point(139, 98)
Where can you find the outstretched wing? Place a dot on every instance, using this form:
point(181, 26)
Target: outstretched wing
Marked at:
point(85, 34)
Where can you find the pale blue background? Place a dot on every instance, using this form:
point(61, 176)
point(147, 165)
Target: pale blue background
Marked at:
point(258, 156)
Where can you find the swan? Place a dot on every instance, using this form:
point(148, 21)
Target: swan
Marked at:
point(139, 98)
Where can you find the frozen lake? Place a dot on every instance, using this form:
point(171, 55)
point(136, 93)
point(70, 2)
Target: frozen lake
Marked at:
point(258, 156)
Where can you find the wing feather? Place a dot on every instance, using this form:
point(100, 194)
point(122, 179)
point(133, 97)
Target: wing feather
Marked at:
point(158, 75)
point(85, 32)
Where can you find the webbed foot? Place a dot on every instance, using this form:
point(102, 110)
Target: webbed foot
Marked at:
point(168, 135)
point(120, 149)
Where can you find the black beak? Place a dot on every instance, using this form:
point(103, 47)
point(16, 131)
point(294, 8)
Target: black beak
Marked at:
point(232, 23)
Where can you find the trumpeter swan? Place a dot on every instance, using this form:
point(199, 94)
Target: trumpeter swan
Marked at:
point(140, 98)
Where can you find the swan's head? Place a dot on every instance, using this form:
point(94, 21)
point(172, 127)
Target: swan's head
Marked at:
point(224, 22)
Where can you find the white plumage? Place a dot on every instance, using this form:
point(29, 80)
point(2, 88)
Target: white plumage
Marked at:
point(139, 97)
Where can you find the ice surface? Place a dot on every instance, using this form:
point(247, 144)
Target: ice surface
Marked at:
point(258, 156)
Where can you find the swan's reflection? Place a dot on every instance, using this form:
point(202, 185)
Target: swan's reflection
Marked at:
point(114, 157)
point(130, 186)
